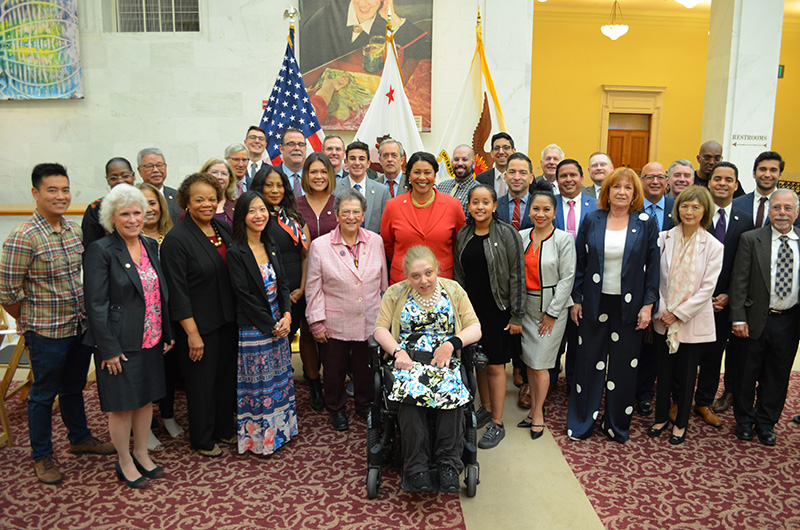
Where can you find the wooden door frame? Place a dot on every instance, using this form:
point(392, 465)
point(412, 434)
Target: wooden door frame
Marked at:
point(633, 99)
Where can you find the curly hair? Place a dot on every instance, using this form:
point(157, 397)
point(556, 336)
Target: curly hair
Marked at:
point(204, 178)
point(120, 196)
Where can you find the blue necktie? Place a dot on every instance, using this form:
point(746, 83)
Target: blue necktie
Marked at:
point(654, 213)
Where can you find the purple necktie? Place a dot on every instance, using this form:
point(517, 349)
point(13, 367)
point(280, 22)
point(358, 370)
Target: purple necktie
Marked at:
point(719, 230)
point(297, 187)
point(571, 219)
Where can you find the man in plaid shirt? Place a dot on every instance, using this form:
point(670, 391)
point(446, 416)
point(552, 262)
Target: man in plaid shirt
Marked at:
point(41, 287)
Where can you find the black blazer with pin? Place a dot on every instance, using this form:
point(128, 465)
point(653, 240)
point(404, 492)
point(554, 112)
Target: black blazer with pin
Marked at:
point(252, 307)
point(114, 296)
point(197, 276)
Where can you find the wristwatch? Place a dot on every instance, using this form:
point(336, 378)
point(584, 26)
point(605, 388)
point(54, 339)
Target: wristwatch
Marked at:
point(399, 348)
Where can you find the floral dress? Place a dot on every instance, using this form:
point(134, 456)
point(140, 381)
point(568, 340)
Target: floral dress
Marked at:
point(266, 412)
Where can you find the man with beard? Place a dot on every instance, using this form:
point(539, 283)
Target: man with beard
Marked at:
point(463, 164)
point(293, 154)
point(767, 171)
point(680, 177)
point(552, 155)
point(502, 148)
point(600, 166)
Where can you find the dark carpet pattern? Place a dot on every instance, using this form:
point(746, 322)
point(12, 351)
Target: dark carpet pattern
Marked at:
point(314, 482)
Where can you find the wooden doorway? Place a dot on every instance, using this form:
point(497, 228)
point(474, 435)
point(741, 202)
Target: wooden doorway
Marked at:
point(629, 140)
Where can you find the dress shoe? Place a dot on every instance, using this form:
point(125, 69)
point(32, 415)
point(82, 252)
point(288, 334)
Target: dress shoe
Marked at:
point(138, 484)
point(654, 431)
point(47, 470)
point(535, 435)
point(796, 419)
point(673, 413)
point(517, 378)
point(708, 416)
point(677, 440)
point(767, 437)
point(339, 421)
point(524, 400)
point(92, 446)
point(156, 472)
point(723, 403)
point(744, 431)
point(644, 407)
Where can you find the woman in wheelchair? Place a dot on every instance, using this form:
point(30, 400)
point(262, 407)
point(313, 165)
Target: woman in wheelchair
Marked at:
point(423, 321)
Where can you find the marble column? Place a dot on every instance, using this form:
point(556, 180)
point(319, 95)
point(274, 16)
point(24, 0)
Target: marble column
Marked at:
point(742, 79)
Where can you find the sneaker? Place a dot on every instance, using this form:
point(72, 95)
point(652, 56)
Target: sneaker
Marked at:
point(482, 416)
point(448, 480)
point(92, 446)
point(47, 470)
point(421, 481)
point(492, 436)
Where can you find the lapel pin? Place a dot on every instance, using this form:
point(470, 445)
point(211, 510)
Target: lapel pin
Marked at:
point(736, 217)
point(127, 265)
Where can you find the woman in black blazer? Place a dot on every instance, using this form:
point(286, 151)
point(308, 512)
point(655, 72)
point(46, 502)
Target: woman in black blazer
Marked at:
point(266, 415)
point(126, 302)
point(202, 302)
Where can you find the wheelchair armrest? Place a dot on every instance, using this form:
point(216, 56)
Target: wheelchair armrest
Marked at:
point(473, 357)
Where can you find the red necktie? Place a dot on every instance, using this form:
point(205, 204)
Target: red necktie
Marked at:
point(760, 214)
point(391, 187)
point(515, 215)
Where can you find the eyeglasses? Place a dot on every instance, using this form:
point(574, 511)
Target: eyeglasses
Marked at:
point(506, 147)
point(709, 158)
point(119, 178)
point(218, 173)
point(254, 138)
point(238, 160)
point(350, 213)
point(651, 177)
point(295, 144)
point(159, 166)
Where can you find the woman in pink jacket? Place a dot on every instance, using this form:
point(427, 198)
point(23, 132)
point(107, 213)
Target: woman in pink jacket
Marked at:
point(691, 260)
point(346, 275)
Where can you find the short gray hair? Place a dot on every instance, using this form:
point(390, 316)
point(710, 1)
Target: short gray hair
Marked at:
point(553, 146)
point(782, 191)
point(120, 196)
point(149, 151)
point(235, 148)
point(349, 194)
point(391, 141)
point(679, 162)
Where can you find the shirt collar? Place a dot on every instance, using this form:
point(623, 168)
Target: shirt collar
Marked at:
point(42, 223)
point(352, 20)
point(336, 236)
point(791, 234)
point(660, 203)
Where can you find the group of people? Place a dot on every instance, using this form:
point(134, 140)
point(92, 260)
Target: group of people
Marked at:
point(204, 286)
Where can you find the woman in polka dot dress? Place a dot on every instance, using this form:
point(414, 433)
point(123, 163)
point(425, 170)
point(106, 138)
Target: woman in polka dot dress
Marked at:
point(616, 285)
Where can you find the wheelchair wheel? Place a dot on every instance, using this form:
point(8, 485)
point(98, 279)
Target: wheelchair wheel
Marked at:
point(471, 480)
point(373, 481)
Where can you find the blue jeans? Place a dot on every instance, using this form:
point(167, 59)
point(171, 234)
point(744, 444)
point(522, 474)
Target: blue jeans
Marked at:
point(59, 369)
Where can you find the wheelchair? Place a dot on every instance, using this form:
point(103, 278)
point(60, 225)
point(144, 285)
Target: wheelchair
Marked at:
point(383, 432)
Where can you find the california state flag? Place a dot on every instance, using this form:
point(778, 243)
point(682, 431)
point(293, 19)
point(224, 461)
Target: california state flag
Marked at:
point(389, 115)
point(476, 115)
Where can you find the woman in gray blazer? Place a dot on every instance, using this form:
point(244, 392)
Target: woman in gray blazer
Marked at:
point(126, 302)
point(549, 258)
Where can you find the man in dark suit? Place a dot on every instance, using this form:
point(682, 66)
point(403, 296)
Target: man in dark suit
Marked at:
point(680, 177)
point(571, 207)
point(502, 148)
point(600, 166)
point(375, 193)
point(659, 206)
point(728, 223)
point(255, 139)
point(552, 155)
point(767, 172)
point(152, 167)
point(333, 147)
point(393, 160)
point(764, 311)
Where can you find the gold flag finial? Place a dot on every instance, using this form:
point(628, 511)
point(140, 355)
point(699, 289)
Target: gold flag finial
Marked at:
point(478, 25)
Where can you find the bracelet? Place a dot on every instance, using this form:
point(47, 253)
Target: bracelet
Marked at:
point(456, 342)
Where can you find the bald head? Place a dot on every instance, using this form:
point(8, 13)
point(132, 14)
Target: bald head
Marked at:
point(710, 153)
point(654, 181)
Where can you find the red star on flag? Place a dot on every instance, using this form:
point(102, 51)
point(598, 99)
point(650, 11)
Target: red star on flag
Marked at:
point(390, 94)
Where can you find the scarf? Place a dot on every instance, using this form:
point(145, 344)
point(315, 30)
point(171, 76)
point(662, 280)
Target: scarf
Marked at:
point(291, 227)
point(680, 281)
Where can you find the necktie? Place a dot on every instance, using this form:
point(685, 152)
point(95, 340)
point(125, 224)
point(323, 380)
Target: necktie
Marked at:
point(760, 214)
point(571, 218)
point(358, 188)
point(784, 272)
point(454, 190)
point(719, 230)
point(253, 171)
point(240, 188)
point(653, 212)
point(297, 188)
point(516, 215)
point(391, 187)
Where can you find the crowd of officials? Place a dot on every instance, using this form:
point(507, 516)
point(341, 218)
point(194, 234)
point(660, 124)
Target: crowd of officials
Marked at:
point(636, 278)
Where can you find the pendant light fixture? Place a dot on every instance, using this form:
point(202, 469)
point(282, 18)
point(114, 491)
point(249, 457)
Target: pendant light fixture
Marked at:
point(614, 31)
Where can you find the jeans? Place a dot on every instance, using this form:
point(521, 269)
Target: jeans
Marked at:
point(59, 369)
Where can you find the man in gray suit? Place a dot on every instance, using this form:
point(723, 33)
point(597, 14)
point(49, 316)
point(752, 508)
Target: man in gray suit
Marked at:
point(552, 155)
point(357, 159)
point(600, 166)
point(764, 311)
point(152, 167)
point(393, 160)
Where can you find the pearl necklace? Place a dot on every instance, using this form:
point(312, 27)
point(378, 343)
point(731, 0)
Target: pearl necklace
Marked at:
point(431, 302)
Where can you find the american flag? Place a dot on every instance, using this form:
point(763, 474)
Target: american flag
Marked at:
point(290, 106)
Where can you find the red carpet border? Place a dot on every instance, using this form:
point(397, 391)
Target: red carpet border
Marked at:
point(315, 482)
point(712, 481)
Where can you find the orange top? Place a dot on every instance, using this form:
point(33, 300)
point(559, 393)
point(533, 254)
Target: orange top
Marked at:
point(532, 282)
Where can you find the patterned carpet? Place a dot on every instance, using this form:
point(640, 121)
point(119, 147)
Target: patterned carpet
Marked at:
point(711, 481)
point(315, 482)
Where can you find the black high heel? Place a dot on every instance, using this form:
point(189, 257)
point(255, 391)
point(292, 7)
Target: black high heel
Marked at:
point(535, 435)
point(138, 484)
point(156, 472)
point(525, 423)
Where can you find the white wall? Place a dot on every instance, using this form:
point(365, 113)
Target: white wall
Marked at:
point(191, 94)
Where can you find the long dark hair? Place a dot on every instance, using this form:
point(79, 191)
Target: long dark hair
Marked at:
point(492, 192)
point(288, 203)
point(240, 213)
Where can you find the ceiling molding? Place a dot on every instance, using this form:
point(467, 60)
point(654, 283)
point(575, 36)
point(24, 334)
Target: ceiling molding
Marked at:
point(596, 16)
